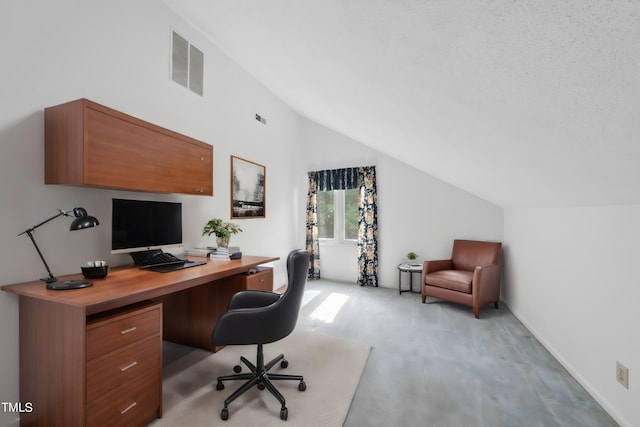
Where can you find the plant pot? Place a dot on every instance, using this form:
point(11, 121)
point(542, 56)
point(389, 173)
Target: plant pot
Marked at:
point(222, 242)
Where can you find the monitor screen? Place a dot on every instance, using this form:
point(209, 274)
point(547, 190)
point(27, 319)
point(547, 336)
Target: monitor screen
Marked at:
point(139, 225)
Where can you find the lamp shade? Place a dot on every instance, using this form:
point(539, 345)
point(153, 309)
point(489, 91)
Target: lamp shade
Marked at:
point(83, 220)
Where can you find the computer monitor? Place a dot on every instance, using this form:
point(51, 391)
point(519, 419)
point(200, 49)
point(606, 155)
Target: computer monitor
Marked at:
point(142, 225)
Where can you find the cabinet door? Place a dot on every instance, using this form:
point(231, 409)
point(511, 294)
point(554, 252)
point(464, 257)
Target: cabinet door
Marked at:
point(129, 155)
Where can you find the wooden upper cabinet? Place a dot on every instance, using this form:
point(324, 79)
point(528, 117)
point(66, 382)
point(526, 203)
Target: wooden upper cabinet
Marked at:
point(88, 144)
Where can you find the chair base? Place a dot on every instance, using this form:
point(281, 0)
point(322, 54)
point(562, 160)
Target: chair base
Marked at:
point(260, 377)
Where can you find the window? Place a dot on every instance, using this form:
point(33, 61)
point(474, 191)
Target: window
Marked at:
point(338, 215)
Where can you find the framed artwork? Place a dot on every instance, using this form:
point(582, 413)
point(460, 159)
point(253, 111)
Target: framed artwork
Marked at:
point(248, 185)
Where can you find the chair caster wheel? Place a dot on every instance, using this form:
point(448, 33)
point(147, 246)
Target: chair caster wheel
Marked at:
point(284, 364)
point(284, 414)
point(220, 385)
point(225, 414)
point(302, 386)
point(260, 386)
point(237, 369)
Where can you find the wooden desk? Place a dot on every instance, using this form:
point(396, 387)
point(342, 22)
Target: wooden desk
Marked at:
point(56, 353)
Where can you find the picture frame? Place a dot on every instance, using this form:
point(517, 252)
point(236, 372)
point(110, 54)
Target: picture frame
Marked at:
point(248, 189)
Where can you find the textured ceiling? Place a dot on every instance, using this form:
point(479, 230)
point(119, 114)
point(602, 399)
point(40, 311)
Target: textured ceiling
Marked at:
point(522, 103)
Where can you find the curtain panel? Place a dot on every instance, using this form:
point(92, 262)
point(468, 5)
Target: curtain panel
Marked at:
point(312, 227)
point(363, 178)
point(368, 228)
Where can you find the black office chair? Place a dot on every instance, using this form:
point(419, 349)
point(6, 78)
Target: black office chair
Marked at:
point(259, 317)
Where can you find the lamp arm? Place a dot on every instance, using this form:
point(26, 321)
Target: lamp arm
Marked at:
point(28, 231)
point(51, 278)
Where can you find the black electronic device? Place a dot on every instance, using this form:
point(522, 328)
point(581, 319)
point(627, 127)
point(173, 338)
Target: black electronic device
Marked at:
point(156, 258)
point(145, 225)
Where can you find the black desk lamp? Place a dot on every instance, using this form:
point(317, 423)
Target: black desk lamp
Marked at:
point(82, 221)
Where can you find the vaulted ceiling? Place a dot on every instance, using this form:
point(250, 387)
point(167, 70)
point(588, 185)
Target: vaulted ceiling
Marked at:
point(525, 103)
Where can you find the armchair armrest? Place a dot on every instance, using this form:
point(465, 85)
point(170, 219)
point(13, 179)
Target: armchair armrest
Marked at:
point(486, 283)
point(250, 324)
point(437, 265)
point(252, 299)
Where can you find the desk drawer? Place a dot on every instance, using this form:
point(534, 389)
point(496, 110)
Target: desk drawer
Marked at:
point(123, 366)
point(260, 281)
point(112, 332)
point(132, 404)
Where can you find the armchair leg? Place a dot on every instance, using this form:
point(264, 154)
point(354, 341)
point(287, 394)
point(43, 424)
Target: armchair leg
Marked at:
point(476, 312)
point(496, 304)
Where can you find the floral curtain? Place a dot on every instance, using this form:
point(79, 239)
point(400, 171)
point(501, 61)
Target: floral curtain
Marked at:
point(345, 179)
point(312, 227)
point(368, 227)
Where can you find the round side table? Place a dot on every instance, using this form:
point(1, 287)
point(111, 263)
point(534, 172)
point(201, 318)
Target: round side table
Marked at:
point(411, 269)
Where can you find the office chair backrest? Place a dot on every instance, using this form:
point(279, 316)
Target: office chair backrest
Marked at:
point(288, 306)
point(249, 321)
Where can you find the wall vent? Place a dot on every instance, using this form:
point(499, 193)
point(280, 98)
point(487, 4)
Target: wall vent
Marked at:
point(187, 64)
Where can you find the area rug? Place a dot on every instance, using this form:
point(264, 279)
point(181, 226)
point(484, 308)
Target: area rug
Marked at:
point(331, 367)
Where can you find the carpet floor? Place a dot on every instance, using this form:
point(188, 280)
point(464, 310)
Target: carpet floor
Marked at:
point(190, 397)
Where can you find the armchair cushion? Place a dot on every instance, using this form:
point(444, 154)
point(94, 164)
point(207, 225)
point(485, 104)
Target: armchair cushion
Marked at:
point(456, 280)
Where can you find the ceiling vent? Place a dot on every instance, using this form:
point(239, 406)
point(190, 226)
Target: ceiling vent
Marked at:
point(187, 64)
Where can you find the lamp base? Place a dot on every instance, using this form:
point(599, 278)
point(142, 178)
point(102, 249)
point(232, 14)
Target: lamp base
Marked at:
point(69, 284)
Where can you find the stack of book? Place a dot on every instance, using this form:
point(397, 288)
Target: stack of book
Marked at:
point(219, 253)
point(214, 253)
point(202, 252)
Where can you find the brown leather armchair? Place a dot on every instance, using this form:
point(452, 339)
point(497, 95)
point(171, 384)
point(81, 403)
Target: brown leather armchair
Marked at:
point(470, 277)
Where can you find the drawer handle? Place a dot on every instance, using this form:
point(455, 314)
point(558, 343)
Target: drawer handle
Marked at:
point(128, 408)
point(130, 365)
point(126, 331)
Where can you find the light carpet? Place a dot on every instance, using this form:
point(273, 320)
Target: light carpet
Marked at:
point(331, 367)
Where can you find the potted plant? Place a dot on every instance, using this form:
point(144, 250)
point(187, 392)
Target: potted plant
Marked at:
point(412, 256)
point(222, 230)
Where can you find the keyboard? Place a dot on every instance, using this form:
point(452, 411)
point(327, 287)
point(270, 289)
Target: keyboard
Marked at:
point(161, 258)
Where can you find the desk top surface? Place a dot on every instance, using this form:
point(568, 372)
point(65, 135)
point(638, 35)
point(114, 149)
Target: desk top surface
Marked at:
point(129, 284)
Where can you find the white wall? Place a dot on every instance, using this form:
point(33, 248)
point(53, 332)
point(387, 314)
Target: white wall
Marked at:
point(117, 53)
point(573, 281)
point(416, 212)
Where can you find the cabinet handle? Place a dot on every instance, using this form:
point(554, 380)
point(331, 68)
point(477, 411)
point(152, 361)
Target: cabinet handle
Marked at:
point(198, 190)
point(126, 331)
point(128, 408)
point(130, 365)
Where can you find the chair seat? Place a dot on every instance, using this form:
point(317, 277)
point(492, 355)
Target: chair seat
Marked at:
point(456, 280)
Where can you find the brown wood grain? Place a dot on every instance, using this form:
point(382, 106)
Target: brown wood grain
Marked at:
point(93, 145)
point(55, 326)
